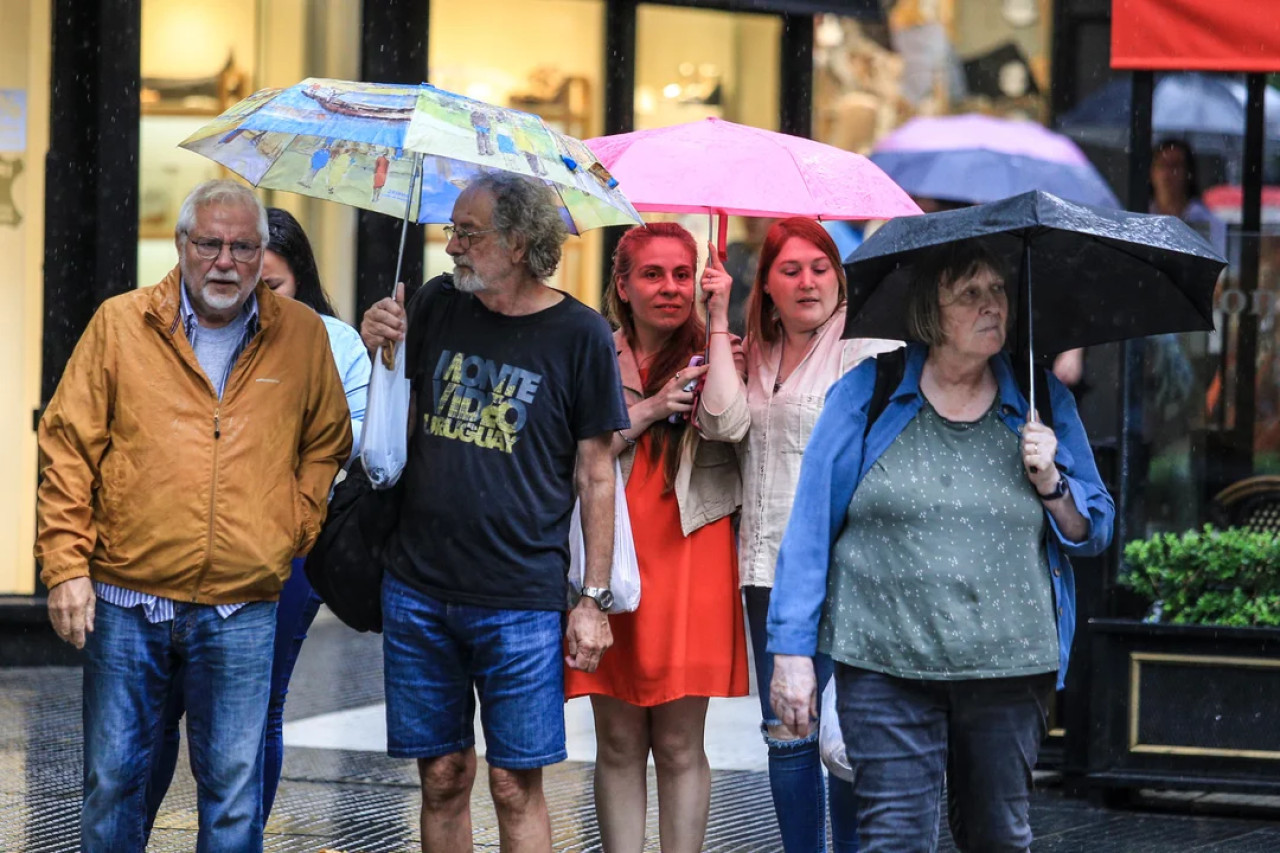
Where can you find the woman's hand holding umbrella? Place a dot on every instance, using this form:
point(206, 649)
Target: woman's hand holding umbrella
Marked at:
point(724, 353)
point(717, 284)
point(1039, 447)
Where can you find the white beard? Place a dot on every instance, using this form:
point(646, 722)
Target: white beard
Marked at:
point(217, 301)
point(466, 280)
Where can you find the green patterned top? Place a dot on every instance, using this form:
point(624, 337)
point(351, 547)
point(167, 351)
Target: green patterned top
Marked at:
point(940, 571)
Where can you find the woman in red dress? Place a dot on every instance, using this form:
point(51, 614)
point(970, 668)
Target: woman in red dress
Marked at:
point(685, 642)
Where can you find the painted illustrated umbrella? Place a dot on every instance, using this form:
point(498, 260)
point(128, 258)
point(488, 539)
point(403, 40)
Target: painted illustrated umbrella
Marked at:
point(407, 151)
point(1088, 275)
point(721, 168)
point(977, 158)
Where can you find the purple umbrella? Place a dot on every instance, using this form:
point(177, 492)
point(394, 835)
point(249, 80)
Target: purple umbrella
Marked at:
point(977, 159)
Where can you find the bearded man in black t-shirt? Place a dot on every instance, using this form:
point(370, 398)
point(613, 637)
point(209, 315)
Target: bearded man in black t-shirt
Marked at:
point(516, 397)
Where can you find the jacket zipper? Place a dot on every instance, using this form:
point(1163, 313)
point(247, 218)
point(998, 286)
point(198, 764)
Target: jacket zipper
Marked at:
point(213, 493)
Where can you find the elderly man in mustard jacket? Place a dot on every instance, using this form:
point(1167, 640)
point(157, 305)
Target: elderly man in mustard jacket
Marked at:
point(185, 458)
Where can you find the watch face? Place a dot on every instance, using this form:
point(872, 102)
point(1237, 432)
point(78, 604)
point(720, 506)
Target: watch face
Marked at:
point(605, 600)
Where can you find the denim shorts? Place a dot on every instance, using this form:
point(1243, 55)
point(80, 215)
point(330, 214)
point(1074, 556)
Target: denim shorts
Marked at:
point(437, 657)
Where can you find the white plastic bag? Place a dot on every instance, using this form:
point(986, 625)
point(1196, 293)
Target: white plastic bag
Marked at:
point(624, 579)
point(384, 444)
point(830, 738)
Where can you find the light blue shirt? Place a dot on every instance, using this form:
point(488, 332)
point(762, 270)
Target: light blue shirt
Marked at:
point(355, 368)
point(838, 456)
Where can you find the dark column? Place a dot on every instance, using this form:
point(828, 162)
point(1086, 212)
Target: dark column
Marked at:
point(393, 49)
point(619, 66)
point(1247, 321)
point(91, 170)
point(795, 112)
point(1132, 459)
point(619, 95)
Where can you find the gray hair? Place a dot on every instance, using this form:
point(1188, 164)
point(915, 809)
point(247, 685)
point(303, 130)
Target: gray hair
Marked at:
point(220, 191)
point(528, 208)
point(937, 271)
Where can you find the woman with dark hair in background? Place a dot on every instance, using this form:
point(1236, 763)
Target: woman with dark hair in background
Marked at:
point(795, 317)
point(685, 642)
point(289, 270)
point(1175, 191)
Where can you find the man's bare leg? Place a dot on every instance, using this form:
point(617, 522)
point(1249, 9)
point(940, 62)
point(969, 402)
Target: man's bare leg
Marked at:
point(446, 801)
point(523, 823)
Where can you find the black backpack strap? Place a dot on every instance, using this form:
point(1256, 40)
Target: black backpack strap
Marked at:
point(890, 366)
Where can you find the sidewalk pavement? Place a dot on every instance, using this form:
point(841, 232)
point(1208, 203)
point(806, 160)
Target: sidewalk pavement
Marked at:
point(340, 792)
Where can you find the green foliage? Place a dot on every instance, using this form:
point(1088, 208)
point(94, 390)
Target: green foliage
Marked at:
point(1210, 577)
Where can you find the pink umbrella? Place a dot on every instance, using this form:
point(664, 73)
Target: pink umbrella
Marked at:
point(719, 167)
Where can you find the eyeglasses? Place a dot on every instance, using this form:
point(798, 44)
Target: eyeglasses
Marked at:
point(243, 253)
point(463, 236)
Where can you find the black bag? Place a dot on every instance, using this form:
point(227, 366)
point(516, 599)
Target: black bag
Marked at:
point(345, 566)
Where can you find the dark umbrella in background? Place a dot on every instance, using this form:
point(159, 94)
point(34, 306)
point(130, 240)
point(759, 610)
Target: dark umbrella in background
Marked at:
point(1087, 275)
point(1206, 110)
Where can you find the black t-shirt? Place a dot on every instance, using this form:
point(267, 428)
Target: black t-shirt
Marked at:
point(501, 405)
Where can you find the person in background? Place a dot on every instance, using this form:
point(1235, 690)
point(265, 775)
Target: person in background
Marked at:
point(1175, 191)
point(794, 351)
point(927, 554)
point(742, 257)
point(685, 642)
point(288, 270)
point(185, 458)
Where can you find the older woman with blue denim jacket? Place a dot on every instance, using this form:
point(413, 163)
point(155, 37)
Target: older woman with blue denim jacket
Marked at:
point(928, 555)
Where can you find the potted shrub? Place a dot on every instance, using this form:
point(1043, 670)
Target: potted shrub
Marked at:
point(1189, 696)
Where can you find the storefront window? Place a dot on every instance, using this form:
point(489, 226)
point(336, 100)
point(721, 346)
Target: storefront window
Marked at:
point(24, 140)
point(244, 45)
point(928, 57)
point(547, 57)
point(696, 63)
point(1197, 435)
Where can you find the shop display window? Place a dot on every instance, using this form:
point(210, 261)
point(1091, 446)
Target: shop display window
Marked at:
point(547, 57)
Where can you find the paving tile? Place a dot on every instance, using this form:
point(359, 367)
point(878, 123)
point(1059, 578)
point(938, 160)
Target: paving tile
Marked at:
point(365, 802)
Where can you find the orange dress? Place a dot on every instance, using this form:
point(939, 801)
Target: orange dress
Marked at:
point(686, 637)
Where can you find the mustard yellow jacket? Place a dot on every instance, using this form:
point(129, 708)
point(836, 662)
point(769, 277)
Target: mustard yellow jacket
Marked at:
point(150, 482)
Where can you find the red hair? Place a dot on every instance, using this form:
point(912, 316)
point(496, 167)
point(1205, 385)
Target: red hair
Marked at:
point(763, 326)
point(675, 353)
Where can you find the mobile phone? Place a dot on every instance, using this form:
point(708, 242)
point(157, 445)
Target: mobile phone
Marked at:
point(696, 361)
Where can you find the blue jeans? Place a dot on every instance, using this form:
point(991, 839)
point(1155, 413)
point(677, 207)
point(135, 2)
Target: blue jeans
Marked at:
point(295, 612)
point(220, 667)
point(795, 767)
point(904, 737)
point(436, 657)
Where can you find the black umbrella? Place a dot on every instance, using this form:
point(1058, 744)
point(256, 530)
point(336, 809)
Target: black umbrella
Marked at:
point(1099, 275)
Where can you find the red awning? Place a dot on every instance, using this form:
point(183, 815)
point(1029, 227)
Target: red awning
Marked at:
point(1196, 35)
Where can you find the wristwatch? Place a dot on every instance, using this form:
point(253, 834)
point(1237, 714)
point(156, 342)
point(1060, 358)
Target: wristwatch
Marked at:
point(1058, 491)
point(601, 595)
